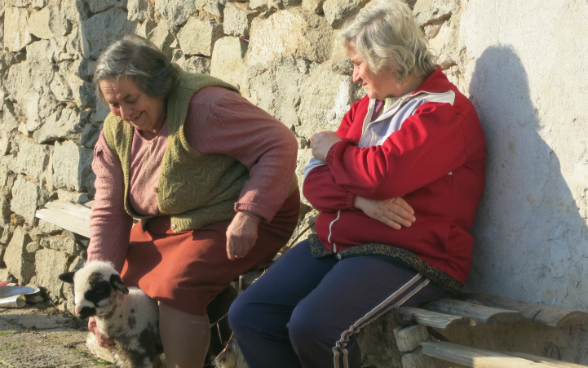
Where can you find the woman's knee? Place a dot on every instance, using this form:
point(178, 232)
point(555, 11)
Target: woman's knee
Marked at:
point(305, 327)
point(240, 314)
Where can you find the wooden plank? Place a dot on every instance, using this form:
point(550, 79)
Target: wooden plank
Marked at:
point(409, 315)
point(546, 314)
point(68, 215)
point(479, 313)
point(478, 358)
point(538, 359)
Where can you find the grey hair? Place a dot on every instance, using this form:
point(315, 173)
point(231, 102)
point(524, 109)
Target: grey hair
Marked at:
point(137, 58)
point(386, 35)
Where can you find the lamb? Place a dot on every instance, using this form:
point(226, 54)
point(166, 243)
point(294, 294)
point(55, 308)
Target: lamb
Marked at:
point(126, 315)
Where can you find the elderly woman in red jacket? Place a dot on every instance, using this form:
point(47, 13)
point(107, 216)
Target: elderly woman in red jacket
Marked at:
point(397, 186)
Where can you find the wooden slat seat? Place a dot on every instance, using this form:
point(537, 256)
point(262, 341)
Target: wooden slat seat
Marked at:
point(482, 358)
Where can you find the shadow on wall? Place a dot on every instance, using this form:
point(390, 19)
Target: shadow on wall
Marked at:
point(529, 234)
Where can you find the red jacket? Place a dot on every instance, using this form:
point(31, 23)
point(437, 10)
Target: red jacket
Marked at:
point(435, 161)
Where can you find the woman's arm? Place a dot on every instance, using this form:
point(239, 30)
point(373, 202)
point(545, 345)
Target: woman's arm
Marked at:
point(221, 121)
point(430, 144)
point(110, 225)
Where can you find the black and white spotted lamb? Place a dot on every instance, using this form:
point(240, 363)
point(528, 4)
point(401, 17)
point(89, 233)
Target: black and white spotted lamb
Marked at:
point(126, 315)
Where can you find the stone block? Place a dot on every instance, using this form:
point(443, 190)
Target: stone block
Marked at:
point(100, 113)
point(176, 12)
point(237, 19)
point(49, 265)
point(76, 197)
point(139, 10)
point(145, 28)
point(32, 159)
point(25, 196)
point(325, 98)
point(71, 165)
point(40, 53)
point(162, 38)
point(291, 32)
point(63, 124)
point(338, 11)
point(38, 4)
point(104, 28)
point(275, 87)
point(48, 228)
point(18, 261)
point(198, 36)
point(90, 135)
point(39, 24)
point(61, 243)
point(97, 6)
point(16, 33)
point(409, 338)
point(430, 11)
point(315, 6)
point(227, 61)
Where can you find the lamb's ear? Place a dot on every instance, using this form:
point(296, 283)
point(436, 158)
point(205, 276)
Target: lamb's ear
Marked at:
point(67, 277)
point(117, 283)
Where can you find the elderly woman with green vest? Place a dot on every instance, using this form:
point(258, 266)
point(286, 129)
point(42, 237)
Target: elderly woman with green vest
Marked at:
point(209, 175)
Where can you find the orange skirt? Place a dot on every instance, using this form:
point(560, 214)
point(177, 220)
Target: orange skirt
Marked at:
point(186, 270)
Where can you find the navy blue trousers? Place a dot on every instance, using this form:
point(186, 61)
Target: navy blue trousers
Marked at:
point(304, 312)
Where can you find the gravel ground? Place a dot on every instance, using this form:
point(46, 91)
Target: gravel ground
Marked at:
point(42, 336)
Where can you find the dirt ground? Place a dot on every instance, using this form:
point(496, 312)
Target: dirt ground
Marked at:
point(42, 336)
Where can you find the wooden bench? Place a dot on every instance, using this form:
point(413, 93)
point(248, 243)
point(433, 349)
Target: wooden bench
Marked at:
point(417, 337)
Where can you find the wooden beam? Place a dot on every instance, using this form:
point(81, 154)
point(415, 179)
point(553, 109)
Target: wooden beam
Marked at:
point(417, 359)
point(409, 315)
point(479, 313)
point(546, 314)
point(68, 215)
point(477, 358)
point(539, 359)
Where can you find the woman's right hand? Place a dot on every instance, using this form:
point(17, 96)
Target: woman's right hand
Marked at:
point(101, 339)
point(394, 212)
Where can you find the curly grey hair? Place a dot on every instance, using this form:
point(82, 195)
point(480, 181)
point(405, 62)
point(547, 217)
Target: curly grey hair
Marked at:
point(137, 58)
point(386, 35)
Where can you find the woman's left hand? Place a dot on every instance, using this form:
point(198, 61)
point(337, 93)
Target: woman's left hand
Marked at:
point(242, 234)
point(321, 142)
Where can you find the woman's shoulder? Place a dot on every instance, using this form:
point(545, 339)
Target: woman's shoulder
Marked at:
point(214, 95)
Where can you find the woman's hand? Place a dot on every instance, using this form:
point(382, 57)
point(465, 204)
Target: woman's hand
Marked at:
point(394, 212)
point(242, 234)
point(321, 142)
point(102, 340)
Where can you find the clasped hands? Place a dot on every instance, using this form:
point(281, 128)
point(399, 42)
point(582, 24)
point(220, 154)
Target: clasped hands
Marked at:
point(393, 212)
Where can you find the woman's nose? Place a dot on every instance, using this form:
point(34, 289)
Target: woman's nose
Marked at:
point(125, 112)
point(356, 77)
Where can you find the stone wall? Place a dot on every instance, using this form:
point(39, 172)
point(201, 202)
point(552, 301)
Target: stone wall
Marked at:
point(532, 229)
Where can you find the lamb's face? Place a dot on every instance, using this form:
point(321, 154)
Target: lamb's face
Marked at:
point(93, 297)
point(97, 286)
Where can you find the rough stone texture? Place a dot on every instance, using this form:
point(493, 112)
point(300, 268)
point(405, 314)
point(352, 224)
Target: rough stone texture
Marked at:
point(102, 29)
point(25, 197)
point(96, 6)
point(32, 159)
point(430, 11)
point(198, 36)
point(315, 6)
point(61, 243)
point(39, 24)
point(176, 12)
point(139, 10)
point(71, 166)
point(237, 20)
point(227, 61)
point(162, 38)
point(50, 264)
point(16, 34)
point(18, 261)
point(64, 123)
point(194, 64)
point(337, 11)
point(291, 32)
point(325, 98)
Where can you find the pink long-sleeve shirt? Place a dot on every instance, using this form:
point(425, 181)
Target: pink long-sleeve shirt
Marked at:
point(218, 121)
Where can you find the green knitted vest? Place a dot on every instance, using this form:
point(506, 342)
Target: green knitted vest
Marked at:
point(194, 189)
